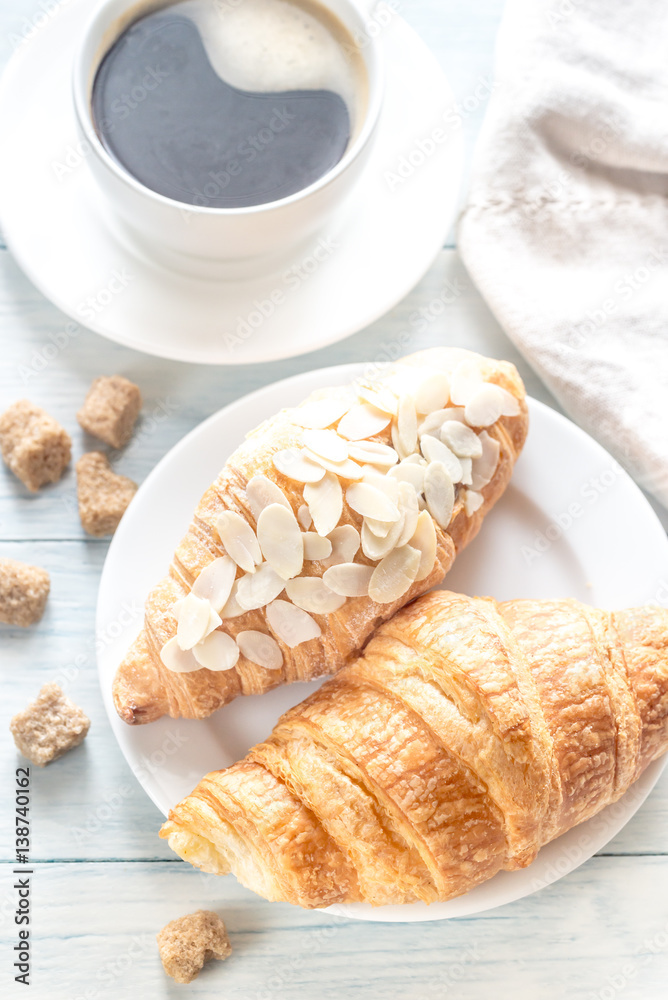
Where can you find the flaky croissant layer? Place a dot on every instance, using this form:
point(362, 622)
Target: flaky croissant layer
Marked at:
point(467, 735)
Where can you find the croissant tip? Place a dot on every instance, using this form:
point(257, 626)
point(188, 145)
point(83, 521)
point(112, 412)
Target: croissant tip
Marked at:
point(135, 714)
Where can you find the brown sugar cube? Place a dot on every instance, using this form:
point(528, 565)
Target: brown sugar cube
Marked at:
point(187, 943)
point(111, 409)
point(34, 445)
point(23, 592)
point(103, 495)
point(49, 727)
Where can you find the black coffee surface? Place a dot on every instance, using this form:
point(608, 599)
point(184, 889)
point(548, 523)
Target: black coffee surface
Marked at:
point(166, 116)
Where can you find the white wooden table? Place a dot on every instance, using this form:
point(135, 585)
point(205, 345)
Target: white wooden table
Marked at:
point(104, 883)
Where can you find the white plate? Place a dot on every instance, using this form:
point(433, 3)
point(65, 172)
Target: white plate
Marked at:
point(591, 559)
point(376, 250)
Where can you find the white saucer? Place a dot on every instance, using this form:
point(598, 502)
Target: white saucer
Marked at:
point(60, 230)
point(519, 553)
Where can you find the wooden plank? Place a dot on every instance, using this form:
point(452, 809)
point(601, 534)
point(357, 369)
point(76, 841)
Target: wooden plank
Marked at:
point(604, 927)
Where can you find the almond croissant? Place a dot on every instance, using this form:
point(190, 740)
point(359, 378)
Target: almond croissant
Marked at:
point(467, 735)
point(331, 517)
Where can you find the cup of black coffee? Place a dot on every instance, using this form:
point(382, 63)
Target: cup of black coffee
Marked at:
point(227, 129)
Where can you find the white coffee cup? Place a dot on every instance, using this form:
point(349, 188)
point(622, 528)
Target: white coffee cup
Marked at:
point(223, 234)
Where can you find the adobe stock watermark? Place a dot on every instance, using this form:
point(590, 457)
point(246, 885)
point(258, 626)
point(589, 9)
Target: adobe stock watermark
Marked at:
point(121, 108)
point(150, 764)
point(152, 417)
point(98, 818)
point(589, 494)
point(118, 967)
point(376, 20)
point(291, 280)
point(127, 615)
point(643, 955)
point(41, 357)
point(623, 291)
point(31, 25)
point(451, 120)
point(419, 321)
point(579, 160)
point(245, 152)
point(91, 307)
point(580, 848)
point(284, 974)
point(556, 15)
point(455, 971)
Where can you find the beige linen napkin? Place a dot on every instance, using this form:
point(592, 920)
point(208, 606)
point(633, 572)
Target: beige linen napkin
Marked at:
point(566, 226)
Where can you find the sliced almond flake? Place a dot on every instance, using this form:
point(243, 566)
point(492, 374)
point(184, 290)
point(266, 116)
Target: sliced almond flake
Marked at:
point(349, 579)
point(239, 540)
point(260, 648)
point(488, 404)
point(407, 424)
point(319, 413)
point(461, 439)
point(369, 501)
point(457, 413)
point(394, 575)
point(261, 491)
point(310, 593)
point(409, 472)
point(465, 381)
point(176, 607)
point(373, 453)
point(382, 482)
point(380, 529)
point(217, 652)
point(327, 444)
point(417, 459)
point(362, 421)
point(296, 464)
point(484, 467)
point(439, 493)
point(254, 590)
point(472, 501)
point(292, 625)
point(215, 582)
point(304, 517)
point(315, 546)
point(424, 540)
point(432, 422)
point(345, 544)
point(432, 393)
point(374, 547)
point(181, 661)
point(344, 470)
point(408, 505)
point(397, 444)
point(280, 538)
point(435, 450)
point(377, 395)
point(467, 471)
point(325, 503)
point(196, 618)
point(233, 609)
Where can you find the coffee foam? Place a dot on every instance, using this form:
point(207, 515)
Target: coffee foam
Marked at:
point(276, 45)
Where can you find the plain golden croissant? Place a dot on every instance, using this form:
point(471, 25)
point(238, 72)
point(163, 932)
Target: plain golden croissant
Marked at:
point(328, 519)
point(467, 735)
